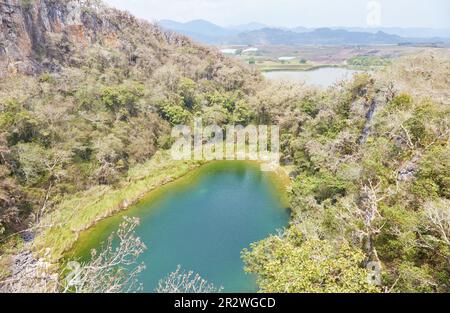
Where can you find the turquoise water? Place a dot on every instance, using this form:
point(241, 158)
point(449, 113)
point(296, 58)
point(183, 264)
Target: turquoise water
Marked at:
point(203, 222)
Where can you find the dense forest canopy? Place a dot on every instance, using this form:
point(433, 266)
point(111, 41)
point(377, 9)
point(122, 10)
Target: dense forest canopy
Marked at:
point(369, 157)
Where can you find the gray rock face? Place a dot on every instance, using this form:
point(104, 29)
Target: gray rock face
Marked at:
point(27, 236)
point(408, 172)
point(22, 262)
point(30, 34)
point(29, 275)
point(47, 35)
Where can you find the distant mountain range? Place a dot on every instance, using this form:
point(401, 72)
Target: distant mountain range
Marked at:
point(200, 30)
point(259, 34)
point(321, 36)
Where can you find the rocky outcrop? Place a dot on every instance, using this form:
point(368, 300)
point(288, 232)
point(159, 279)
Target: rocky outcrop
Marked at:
point(39, 36)
point(42, 34)
point(381, 97)
point(30, 275)
point(409, 170)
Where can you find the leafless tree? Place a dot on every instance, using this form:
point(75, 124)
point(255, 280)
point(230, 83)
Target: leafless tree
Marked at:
point(185, 282)
point(111, 270)
point(438, 216)
point(369, 212)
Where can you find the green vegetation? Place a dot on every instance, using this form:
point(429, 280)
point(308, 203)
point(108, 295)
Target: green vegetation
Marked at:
point(100, 202)
point(294, 265)
point(312, 57)
point(81, 143)
point(368, 61)
point(27, 4)
point(370, 192)
point(374, 188)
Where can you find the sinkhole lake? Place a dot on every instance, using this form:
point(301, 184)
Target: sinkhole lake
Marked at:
point(202, 222)
point(322, 77)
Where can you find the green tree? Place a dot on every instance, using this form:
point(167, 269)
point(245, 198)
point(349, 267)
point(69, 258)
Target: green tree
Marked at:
point(187, 89)
point(289, 264)
point(122, 97)
point(174, 113)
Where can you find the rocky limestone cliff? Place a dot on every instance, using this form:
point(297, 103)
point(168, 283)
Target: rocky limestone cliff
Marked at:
point(29, 28)
point(42, 35)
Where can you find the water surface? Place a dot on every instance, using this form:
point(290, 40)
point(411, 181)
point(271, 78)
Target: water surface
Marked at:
point(203, 222)
point(323, 77)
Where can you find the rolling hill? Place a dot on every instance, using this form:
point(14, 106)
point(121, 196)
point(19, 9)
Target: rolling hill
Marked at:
point(257, 34)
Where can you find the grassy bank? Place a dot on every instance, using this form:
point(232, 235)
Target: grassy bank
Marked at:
point(61, 228)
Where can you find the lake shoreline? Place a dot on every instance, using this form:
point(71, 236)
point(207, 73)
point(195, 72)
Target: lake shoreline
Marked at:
point(121, 203)
point(322, 77)
point(280, 179)
point(54, 244)
point(150, 208)
point(63, 235)
point(294, 69)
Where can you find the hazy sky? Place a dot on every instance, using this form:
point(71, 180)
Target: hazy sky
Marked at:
point(311, 13)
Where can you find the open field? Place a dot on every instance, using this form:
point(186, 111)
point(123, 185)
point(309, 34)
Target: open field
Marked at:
point(303, 58)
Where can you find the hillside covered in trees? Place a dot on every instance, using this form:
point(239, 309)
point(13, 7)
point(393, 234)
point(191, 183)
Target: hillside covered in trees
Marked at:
point(371, 184)
point(89, 100)
point(88, 95)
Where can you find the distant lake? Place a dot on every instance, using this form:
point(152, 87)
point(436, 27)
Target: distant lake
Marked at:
point(322, 77)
